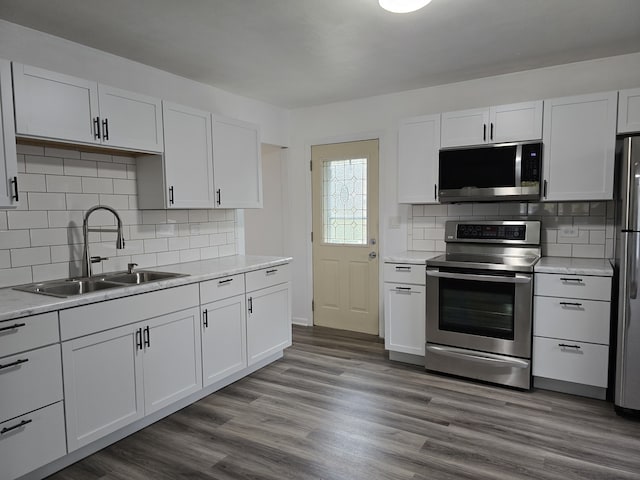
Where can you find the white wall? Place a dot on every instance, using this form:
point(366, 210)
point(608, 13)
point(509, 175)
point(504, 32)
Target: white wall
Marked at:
point(39, 49)
point(380, 115)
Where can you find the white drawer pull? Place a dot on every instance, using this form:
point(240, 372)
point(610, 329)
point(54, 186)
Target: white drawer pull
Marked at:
point(12, 327)
point(20, 361)
point(570, 304)
point(403, 268)
point(403, 289)
point(269, 272)
point(565, 345)
point(223, 282)
point(21, 424)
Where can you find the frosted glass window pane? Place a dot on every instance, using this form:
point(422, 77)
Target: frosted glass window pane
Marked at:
point(344, 201)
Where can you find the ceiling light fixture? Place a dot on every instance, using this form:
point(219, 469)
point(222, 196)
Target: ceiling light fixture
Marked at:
point(403, 6)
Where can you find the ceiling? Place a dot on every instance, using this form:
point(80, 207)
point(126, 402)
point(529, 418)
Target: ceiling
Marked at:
point(297, 53)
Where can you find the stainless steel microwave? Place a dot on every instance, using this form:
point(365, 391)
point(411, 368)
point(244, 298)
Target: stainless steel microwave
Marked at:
point(506, 171)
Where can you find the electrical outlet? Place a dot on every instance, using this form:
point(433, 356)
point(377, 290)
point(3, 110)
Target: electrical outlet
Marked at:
point(570, 231)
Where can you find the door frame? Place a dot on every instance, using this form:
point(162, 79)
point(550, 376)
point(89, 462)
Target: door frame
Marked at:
point(379, 135)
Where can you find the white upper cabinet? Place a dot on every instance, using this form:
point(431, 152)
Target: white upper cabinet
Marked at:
point(59, 107)
point(418, 146)
point(579, 147)
point(9, 196)
point(498, 124)
point(130, 120)
point(629, 111)
point(237, 165)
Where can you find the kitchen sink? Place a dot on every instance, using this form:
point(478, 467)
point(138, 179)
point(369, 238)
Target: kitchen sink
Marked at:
point(81, 286)
point(140, 277)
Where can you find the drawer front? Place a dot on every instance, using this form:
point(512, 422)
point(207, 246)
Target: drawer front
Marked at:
point(97, 317)
point(29, 381)
point(405, 273)
point(573, 286)
point(581, 320)
point(267, 277)
point(226, 287)
point(31, 441)
point(584, 363)
point(26, 333)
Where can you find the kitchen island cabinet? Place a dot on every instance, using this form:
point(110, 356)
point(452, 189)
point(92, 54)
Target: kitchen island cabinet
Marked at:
point(54, 106)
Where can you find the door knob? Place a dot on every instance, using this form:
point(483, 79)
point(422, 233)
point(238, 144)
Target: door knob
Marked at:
point(372, 255)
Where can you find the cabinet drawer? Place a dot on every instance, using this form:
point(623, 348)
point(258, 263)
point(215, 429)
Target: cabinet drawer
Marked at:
point(405, 273)
point(25, 333)
point(29, 381)
point(214, 290)
point(583, 363)
point(582, 320)
point(573, 286)
point(38, 439)
point(267, 277)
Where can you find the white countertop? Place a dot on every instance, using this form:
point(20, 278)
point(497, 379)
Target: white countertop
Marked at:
point(411, 256)
point(575, 266)
point(14, 304)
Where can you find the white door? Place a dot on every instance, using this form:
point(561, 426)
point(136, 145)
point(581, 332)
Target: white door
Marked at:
point(345, 229)
point(268, 321)
point(102, 384)
point(465, 127)
point(56, 106)
point(418, 147)
point(130, 120)
point(224, 335)
point(579, 147)
point(9, 193)
point(188, 157)
point(172, 359)
point(515, 122)
point(237, 166)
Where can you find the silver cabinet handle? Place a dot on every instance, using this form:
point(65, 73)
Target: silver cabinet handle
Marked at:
point(481, 278)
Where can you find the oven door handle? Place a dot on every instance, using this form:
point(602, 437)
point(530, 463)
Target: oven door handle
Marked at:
point(481, 278)
point(478, 357)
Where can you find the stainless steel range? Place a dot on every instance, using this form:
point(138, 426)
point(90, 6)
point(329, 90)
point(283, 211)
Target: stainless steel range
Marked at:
point(479, 301)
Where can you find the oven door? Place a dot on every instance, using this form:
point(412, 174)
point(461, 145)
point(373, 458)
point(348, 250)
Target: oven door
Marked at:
point(480, 310)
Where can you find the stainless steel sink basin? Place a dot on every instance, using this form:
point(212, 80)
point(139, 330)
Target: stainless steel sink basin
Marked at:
point(143, 276)
point(67, 288)
point(81, 286)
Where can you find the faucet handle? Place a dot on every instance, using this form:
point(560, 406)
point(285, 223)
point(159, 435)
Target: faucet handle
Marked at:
point(130, 267)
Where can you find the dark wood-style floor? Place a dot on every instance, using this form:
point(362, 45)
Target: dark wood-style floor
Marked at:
point(336, 408)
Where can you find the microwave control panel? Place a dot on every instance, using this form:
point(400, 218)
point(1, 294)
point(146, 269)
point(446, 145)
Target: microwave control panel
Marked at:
point(530, 166)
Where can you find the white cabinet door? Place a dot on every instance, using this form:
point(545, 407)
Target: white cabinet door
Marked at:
point(171, 361)
point(56, 106)
point(103, 387)
point(579, 146)
point(465, 127)
point(405, 316)
point(268, 321)
point(224, 336)
point(418, 146)
point(9, 195)
point(629, 111)
point(130, 120)
point(515, 122)
point(237, 165)
point(188, 157)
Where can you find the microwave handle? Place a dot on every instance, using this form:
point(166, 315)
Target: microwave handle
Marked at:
point(481, 278)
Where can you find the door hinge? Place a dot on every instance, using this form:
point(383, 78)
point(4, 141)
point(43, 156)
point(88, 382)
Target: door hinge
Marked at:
point(313, 305)
point(311, 165)
point(311, 237)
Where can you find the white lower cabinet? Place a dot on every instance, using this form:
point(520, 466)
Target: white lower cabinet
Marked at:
point(405, 308)
point(268, 312)
point(31, 441)
point(571, 333)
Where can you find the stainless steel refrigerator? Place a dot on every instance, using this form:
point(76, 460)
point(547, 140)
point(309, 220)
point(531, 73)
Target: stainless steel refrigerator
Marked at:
point(627, 263)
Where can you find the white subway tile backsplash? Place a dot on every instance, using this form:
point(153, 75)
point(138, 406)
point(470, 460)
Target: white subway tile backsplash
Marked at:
point(418, 211)
point(21, 257)
point(581, 238)
point(588, 251)
point(65, 184)
point(573, 208)
point(27, 219)
point(457, 209)
point(426, 245)
point(36, 164)
point(556, 250)
point(42, 238)
point(485, 209)
point(598, 209)
point(47, 201)
point(597, 237)
point(32, 182)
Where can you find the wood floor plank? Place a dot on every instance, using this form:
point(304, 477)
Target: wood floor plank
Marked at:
point(335, 408)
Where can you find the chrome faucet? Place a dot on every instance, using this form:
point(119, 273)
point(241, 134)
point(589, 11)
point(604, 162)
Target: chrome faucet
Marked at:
point(86, 259)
